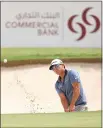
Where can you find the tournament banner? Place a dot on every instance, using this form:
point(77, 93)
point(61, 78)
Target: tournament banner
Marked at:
point(51, 24)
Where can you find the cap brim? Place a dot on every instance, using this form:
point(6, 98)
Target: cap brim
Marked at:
point(50, 68)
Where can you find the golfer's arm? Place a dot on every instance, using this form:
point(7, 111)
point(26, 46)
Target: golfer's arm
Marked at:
point(64, 102)
point(76, 92)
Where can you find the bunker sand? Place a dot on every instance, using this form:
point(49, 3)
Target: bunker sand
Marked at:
point(30, 89)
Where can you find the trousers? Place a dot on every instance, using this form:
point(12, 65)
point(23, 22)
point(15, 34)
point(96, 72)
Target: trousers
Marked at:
point(81, 108)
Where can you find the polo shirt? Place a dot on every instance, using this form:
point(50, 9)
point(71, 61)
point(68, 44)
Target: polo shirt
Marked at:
point(66, 87)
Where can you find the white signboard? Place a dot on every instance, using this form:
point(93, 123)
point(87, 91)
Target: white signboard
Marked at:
point(51, 24)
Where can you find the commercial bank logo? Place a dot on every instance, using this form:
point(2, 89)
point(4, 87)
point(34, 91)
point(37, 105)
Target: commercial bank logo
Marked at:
point(85, 21)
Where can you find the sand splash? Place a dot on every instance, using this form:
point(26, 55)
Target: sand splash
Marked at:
point(30, 89)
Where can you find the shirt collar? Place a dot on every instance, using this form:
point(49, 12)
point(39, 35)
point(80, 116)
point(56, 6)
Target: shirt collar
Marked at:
point(59, 78)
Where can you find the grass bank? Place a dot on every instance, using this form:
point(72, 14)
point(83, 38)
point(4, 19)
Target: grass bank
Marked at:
point(13, 54)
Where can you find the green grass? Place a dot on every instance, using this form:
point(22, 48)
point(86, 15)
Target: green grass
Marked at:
point(49, 53)
point(76, 119)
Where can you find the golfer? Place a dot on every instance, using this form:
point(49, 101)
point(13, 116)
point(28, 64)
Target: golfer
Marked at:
point(69, 87)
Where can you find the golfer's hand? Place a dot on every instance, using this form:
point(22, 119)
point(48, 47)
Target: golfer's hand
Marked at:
point(71, 108)
point(66, 110)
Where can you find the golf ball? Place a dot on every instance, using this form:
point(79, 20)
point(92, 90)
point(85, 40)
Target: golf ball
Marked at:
point(5, 60)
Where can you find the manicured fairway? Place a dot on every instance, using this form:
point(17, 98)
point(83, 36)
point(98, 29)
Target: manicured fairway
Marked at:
point(76, 119)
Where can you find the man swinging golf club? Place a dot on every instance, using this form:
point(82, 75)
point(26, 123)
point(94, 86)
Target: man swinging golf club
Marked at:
point(69, 87)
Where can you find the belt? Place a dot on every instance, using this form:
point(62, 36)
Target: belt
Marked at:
point(83, 103)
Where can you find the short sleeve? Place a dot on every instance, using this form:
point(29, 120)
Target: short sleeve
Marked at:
point(57, 89)
point(74, 76)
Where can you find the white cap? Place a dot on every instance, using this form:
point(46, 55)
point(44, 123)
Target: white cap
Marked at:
point(55, 62)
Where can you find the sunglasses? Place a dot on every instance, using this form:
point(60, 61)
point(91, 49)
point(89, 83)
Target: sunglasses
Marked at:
point(55, 66)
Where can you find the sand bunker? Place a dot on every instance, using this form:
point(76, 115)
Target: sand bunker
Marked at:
point(30, 89)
